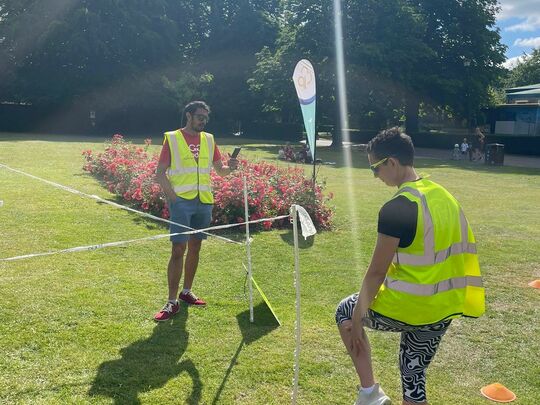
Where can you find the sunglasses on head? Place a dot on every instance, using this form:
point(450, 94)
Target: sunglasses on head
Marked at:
point(375, 166)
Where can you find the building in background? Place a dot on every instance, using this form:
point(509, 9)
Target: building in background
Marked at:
point(520, 115)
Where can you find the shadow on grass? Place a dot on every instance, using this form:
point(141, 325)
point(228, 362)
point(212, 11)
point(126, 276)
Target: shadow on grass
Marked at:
point(302, 243)
point(149, 364)
point(264, 323)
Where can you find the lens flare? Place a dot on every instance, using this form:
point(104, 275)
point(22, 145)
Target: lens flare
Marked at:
point(344, 124)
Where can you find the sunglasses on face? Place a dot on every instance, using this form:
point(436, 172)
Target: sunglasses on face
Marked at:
point(202, 117)
point(375, 166)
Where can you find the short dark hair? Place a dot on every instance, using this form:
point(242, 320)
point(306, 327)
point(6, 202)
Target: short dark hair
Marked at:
point(194, 105)
point(392, 142)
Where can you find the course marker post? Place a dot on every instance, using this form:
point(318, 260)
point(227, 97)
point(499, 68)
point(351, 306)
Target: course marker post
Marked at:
point(248, 251)
point(297, 322)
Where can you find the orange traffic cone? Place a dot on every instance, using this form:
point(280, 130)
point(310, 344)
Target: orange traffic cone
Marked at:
point(535, 284)
point(498, 393)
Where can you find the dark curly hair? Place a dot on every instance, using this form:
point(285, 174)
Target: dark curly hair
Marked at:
point(394, 143)
point(193, 106)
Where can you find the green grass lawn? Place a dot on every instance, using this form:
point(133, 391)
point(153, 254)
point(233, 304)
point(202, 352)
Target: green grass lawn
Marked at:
point(78, 328)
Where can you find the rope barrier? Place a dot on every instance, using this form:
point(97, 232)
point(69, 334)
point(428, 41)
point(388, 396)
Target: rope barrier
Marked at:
point(125, 242)
point(99, 199)
point(148, 238)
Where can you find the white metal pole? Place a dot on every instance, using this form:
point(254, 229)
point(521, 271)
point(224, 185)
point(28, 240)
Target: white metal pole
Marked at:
point(297, 323)
point(248, 251)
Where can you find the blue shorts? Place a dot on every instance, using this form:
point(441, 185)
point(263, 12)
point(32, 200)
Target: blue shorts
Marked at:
point(192, 213)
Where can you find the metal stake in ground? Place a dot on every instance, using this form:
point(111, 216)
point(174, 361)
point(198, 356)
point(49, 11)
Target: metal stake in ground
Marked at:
point(248, 251)
point(297, 286)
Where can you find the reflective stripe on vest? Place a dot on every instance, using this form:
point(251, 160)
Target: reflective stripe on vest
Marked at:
point(188, 179)
point(437, 276)
point(175, 156)
point(430, 255)
point(186, 170)
point(183, 189)
point(432, 289)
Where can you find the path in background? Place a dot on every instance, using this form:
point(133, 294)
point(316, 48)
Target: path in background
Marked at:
point(509, 160)
point(441, 154)
point(426, 153)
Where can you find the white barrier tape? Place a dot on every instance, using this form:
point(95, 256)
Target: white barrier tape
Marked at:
point(255, 221)
point(90, 247)
point(95, 197)
point(111, 244)
point(125, 242)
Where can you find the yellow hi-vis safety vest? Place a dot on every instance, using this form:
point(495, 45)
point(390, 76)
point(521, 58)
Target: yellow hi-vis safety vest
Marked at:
point(437, 277)
point(188, 177)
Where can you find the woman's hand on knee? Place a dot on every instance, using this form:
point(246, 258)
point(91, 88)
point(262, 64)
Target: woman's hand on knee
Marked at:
point(359, 342)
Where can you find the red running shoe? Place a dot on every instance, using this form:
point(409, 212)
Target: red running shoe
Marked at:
point(167, 312)
point(192, 299)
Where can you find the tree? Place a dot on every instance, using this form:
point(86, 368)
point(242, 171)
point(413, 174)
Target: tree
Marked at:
point(466, 55)
point(398, 53)
point(187, 87)
point(133, 54)
point(59, 51)
point(526, 72)
point(236, 30)
point(300, 36)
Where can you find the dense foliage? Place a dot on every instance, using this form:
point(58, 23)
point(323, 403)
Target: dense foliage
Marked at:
point(128, 171)
point(526, 72)
point(239, 55)
point(116, 56)
point(271, 192)
point(399, 54)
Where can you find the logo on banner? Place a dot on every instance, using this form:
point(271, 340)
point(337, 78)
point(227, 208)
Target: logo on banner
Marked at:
point(304, 83)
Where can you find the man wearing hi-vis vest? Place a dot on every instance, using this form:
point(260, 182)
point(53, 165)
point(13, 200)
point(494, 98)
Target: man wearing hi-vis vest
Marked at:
point(187, 157)
point(424, 272)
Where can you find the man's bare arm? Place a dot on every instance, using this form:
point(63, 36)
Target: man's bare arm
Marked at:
point(163, 181)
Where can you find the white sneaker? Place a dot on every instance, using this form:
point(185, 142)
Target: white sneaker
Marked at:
point(377, 397)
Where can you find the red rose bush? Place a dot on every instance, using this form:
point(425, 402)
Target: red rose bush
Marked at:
point(128, 171)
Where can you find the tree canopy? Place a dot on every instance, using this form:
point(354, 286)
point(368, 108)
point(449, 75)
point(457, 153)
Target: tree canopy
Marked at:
point(239, 55)
point(398, 53)
point(63, 49)
point(526, 72)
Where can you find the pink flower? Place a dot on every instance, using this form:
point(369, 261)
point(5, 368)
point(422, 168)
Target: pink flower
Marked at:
point(137, 195)
point(129, 172)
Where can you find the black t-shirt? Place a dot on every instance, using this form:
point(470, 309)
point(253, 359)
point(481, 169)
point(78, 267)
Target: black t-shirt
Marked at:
point(397, 218)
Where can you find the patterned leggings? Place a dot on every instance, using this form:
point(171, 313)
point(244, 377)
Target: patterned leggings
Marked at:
point(416, 350)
